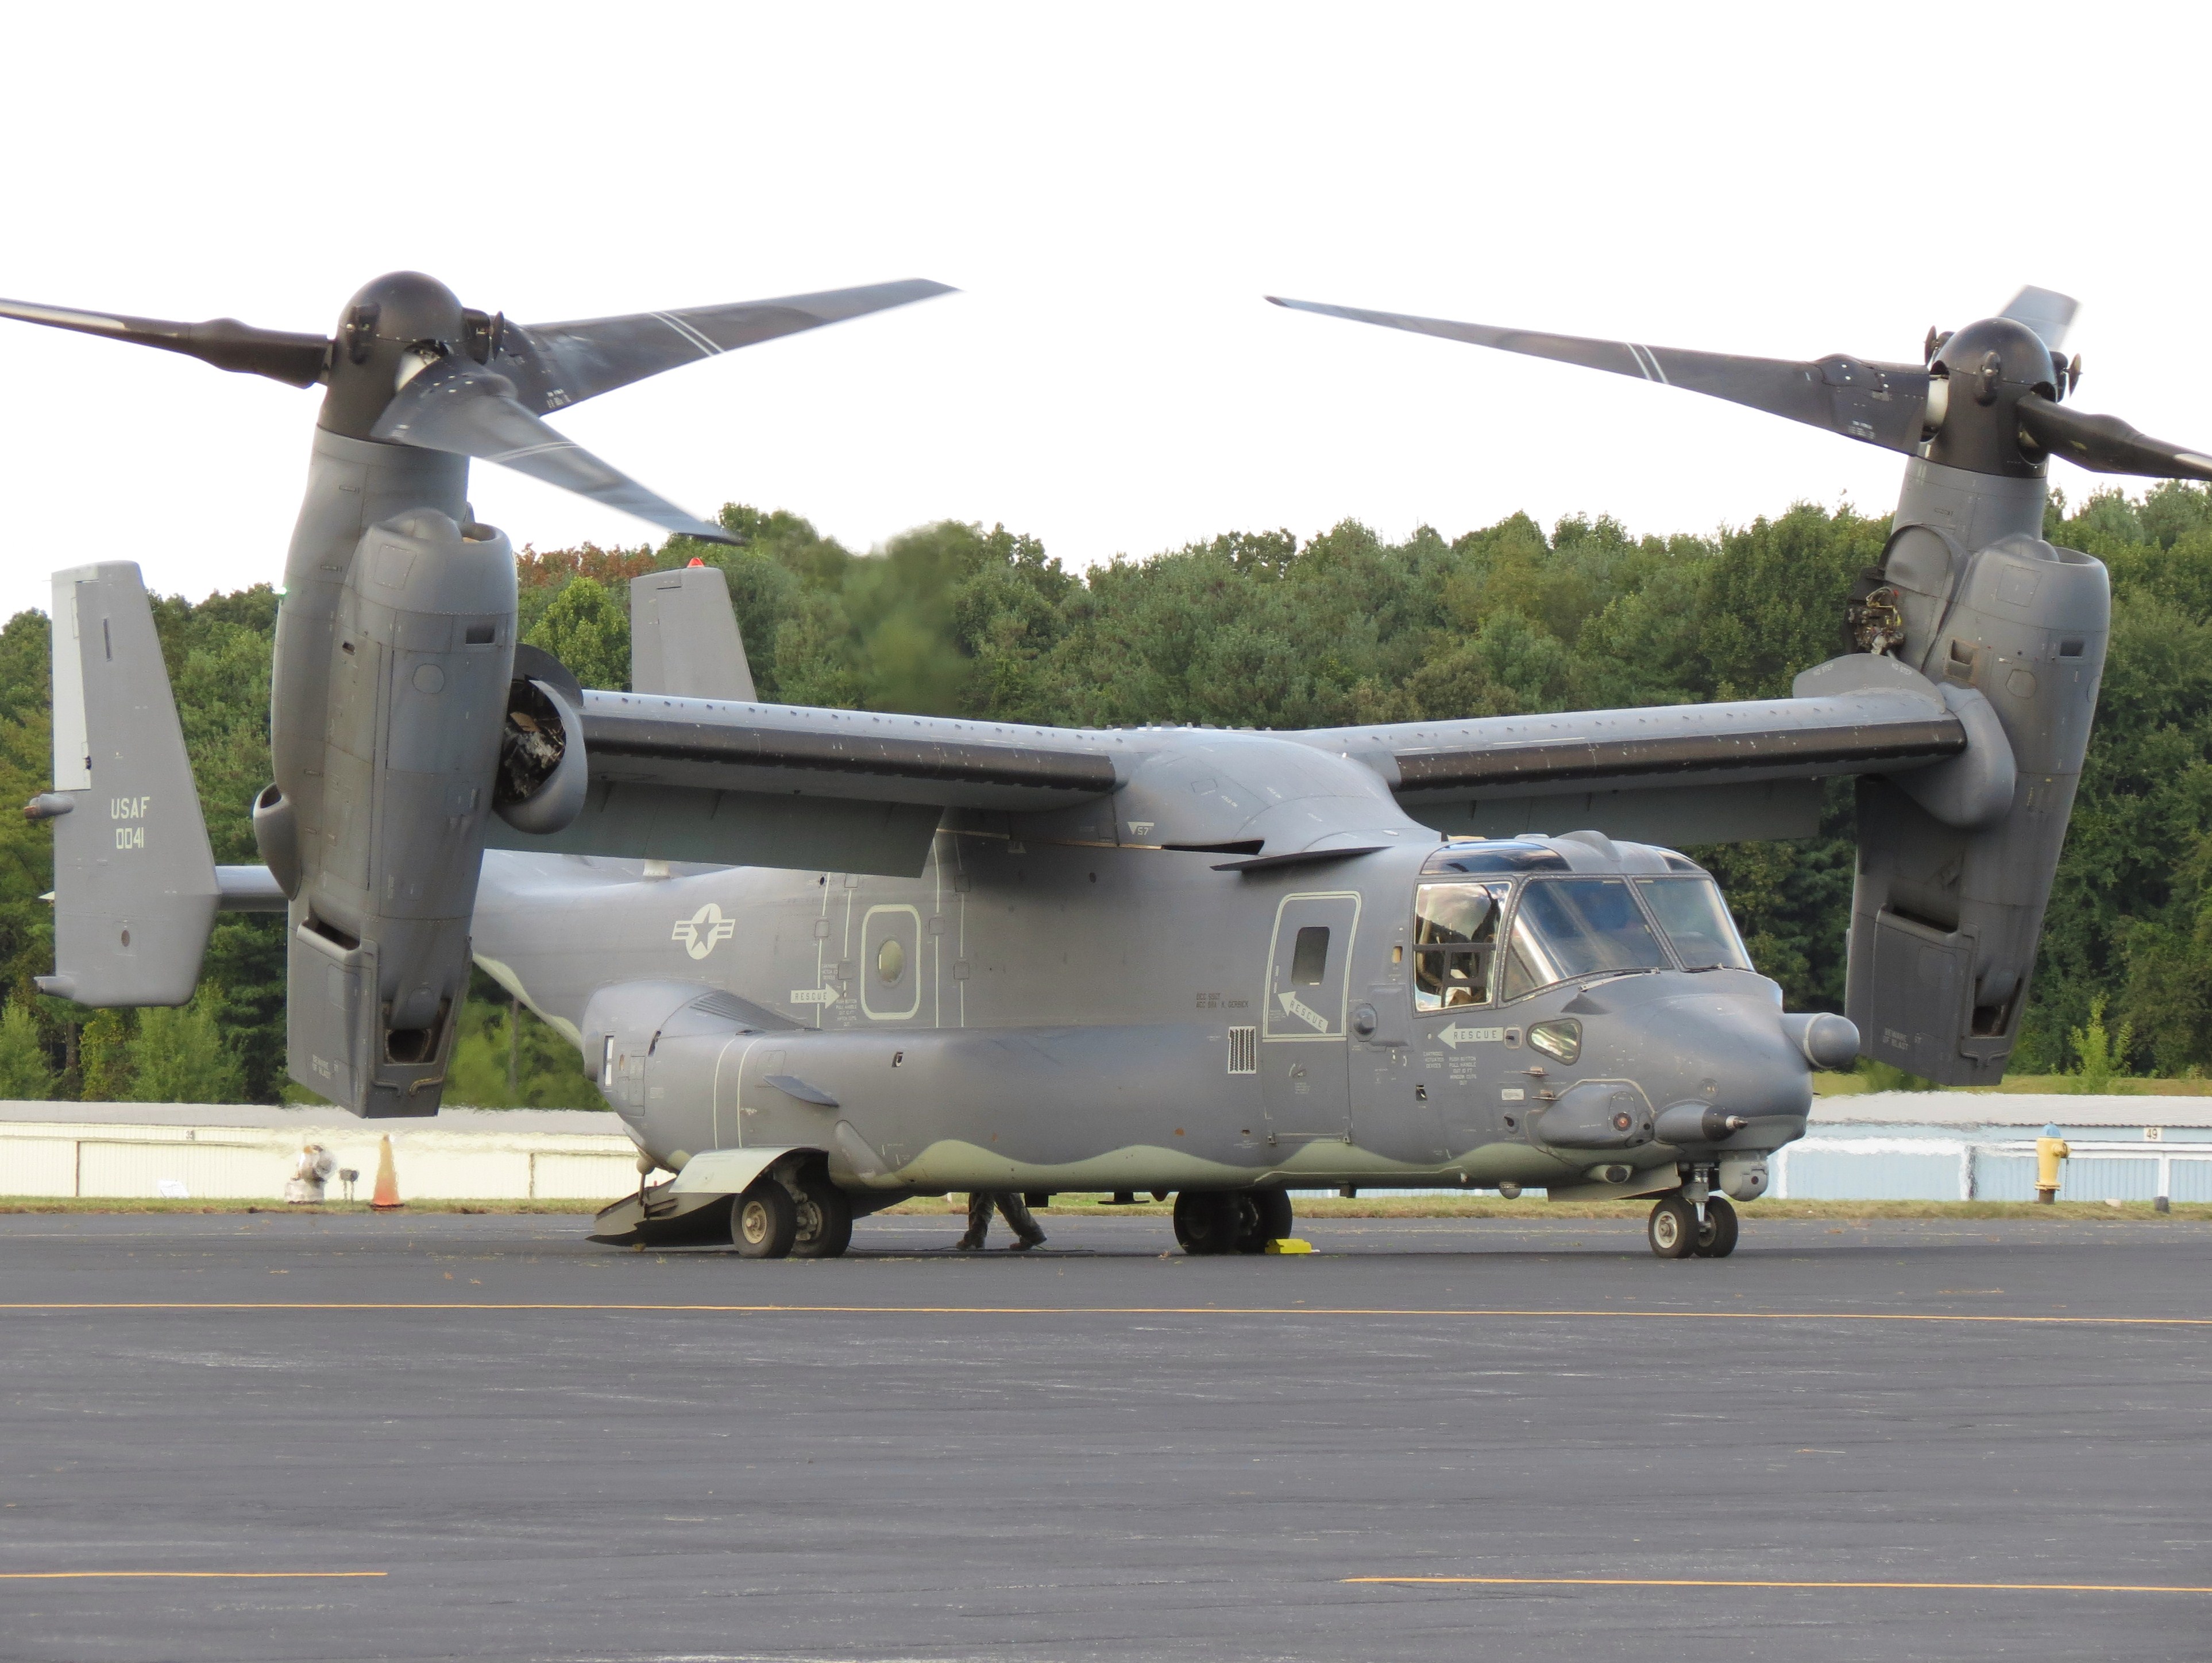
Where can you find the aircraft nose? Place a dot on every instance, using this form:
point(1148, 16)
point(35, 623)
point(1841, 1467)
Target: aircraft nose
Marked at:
point(1736, 1054)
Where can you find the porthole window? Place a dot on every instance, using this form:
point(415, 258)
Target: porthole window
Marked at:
point(890, 961)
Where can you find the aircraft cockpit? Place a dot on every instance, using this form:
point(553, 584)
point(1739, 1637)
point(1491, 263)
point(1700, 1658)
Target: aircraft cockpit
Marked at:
point(1497, 920)
point(1560, 1005)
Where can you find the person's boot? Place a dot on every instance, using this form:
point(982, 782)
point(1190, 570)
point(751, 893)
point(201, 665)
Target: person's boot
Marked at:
point(1026, 1243)
point(970, 1242)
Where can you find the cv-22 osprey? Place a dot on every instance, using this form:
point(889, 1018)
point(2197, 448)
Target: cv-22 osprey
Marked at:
point(822, 960)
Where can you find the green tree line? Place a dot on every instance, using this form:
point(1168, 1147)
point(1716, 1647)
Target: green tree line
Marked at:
point(1252, 629)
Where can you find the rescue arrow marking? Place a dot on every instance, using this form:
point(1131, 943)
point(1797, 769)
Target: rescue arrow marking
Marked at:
point(1304, 1012)
point(1455, 1036)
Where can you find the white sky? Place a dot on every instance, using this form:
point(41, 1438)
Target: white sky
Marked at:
point(1114, 187)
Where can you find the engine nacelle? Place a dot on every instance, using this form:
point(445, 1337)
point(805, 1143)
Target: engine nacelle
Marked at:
point(387, 813)
point(1946, 917)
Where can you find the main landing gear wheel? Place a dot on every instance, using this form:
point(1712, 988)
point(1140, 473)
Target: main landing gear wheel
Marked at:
point(1717, 1240)
point(1208, 1221)
point(1672, 1228)
point(764, 1221)
point(1262, 1215)
point(826, 1219)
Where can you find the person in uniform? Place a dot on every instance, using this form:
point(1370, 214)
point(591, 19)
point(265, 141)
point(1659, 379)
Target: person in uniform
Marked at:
point(1008, 1202)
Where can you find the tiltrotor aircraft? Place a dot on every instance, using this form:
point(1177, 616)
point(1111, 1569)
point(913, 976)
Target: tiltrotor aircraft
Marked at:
point(822, 960)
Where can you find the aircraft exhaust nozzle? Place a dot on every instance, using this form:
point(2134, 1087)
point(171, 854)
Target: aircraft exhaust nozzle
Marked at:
point(1829, 1042)
point(276, 834)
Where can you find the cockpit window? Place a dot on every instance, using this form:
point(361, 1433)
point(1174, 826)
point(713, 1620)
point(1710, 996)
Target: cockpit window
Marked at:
point(1577, 927)
point(1697, 922)
point(1455, 942)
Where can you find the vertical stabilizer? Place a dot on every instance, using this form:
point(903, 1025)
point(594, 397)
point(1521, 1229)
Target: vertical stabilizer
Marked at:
point(134, 885)
point(684, 637)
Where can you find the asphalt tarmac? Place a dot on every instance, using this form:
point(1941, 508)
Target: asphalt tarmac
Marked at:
point(483, 1437)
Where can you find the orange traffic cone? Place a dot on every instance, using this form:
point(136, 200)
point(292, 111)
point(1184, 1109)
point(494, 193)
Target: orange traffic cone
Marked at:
point(386, 1198)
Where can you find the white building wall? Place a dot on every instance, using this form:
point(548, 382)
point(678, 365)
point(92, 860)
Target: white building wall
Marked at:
point(464, 1155)
point(1931, 1146)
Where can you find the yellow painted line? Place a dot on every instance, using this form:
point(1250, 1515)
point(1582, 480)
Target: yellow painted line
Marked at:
point(181, 1575)
point(1660, 1315)
point(1716, 1583)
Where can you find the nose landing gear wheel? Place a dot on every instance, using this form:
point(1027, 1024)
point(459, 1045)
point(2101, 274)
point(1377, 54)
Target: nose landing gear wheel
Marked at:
point(764, 1221)
point(1717, 1240)
point(1672, 1228)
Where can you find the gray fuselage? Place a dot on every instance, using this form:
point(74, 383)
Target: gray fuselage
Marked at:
point(1103, 1013)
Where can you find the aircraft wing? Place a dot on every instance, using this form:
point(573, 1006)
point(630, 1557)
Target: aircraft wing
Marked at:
point(746, 784)
point(1694, 774)
point(704, 780)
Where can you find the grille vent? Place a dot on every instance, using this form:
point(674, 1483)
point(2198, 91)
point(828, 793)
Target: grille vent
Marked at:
point(728, 1006)
point(1243, 1051)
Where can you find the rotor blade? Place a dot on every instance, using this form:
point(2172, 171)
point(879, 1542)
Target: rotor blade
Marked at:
point(1878, 403)
point(456, 406)
point(556, 365)
point(294, 359)
point(2045, 310)
point(2104, 444)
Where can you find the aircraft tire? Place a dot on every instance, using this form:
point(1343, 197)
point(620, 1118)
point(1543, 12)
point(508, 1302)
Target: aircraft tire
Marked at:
point(1263, 1216)
point(1207, 1221)
point(1672, 1228)
point(1718, 1237)
point(825, 1220)
point(764, 1221)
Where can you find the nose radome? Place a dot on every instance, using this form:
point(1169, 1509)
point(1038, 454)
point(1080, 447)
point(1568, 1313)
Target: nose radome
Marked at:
point(1827, 1040)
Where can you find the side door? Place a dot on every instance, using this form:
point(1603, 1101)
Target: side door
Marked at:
point(1390, 1103)
point(1304, 1054)
point(1459, 1032)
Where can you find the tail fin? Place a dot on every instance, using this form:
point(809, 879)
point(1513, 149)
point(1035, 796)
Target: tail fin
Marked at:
point(684, 636)
point(135, 884)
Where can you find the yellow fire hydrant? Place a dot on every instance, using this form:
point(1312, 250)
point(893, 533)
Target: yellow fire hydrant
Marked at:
point(2049, 1149)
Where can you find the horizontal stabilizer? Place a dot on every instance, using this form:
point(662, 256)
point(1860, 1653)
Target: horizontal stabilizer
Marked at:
point(248, 889)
